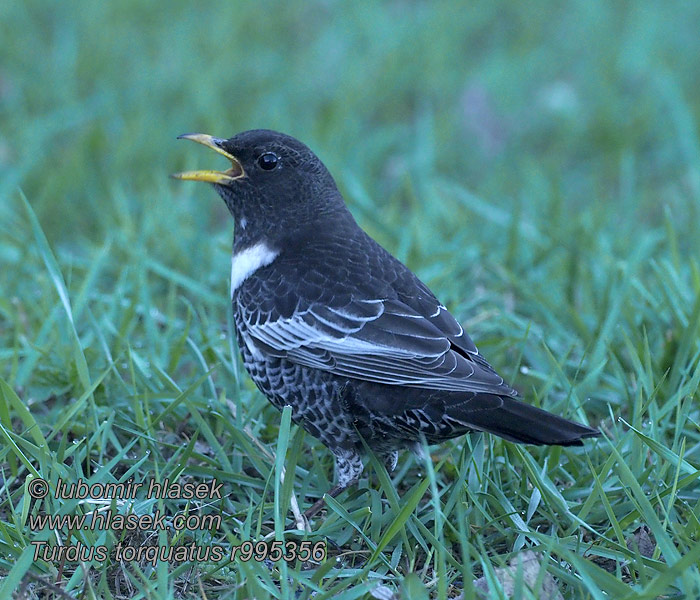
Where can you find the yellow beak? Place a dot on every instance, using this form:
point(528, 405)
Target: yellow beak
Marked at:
point(221, 177)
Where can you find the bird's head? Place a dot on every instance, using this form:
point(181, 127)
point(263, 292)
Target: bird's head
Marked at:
point(274, 180)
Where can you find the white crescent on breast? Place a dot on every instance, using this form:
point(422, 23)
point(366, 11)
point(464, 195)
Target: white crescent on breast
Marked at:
point(245, 262)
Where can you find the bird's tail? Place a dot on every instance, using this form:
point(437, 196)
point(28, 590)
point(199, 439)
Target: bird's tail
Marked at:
point(519, 422)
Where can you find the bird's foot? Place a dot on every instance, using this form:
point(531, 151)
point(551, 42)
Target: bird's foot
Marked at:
point(348, 468)
point(317, 506)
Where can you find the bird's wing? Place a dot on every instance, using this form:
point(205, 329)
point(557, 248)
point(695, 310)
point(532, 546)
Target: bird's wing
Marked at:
point(382, 341)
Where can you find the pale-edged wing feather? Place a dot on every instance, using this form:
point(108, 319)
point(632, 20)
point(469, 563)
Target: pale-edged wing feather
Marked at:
point(381, 340)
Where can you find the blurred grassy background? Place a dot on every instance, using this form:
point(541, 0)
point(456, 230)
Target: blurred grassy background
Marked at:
point(538, 165)
point(587, 96)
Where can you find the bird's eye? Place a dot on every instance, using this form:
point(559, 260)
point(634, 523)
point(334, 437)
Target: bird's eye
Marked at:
point(268, 161)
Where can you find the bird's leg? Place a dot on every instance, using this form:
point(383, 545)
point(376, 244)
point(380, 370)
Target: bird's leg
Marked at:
point(390, 459)
point(348, 467)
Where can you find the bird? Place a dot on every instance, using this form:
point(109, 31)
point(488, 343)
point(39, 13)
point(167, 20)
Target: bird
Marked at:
point(330, 323)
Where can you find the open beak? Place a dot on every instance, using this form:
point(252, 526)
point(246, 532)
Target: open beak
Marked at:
point(221, 177)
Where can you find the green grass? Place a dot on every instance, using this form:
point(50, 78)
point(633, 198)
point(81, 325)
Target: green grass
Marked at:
point(537, 166)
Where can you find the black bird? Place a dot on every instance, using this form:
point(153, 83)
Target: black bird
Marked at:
point(332, 324)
